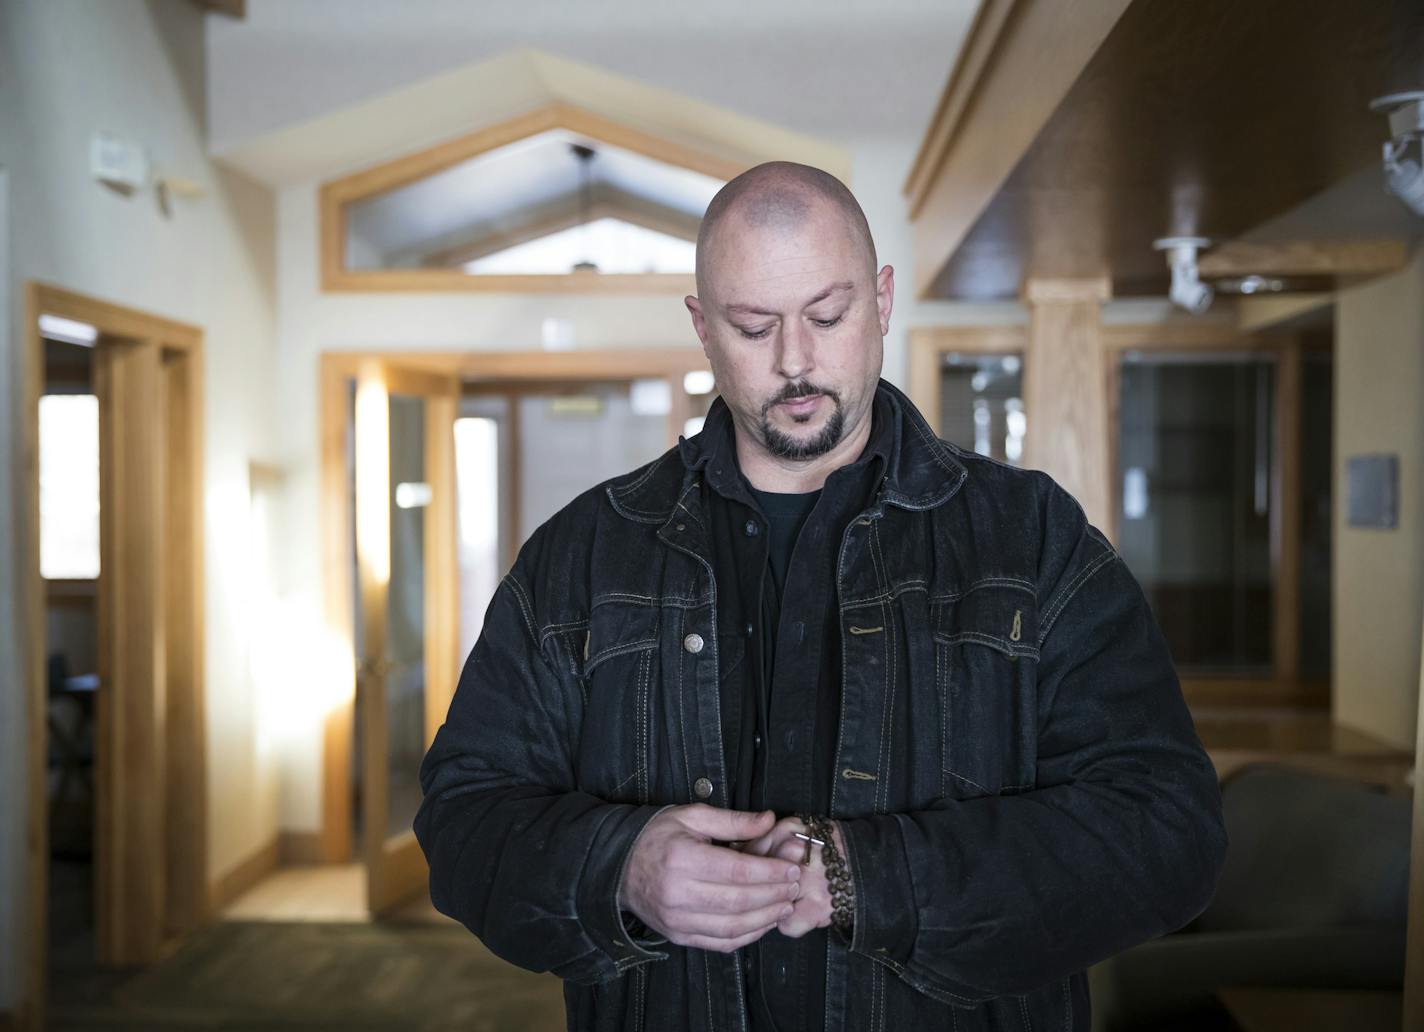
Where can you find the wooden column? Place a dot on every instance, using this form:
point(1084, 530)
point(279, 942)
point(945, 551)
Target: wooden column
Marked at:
point(129, 825)
point(1065, 390)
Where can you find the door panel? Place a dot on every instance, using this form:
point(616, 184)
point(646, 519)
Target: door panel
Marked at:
point(405, 546)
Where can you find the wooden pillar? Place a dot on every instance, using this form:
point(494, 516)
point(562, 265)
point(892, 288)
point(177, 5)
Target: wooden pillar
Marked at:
point(130, 816)
point(1065, 390)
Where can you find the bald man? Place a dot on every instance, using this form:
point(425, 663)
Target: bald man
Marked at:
point(817, 721)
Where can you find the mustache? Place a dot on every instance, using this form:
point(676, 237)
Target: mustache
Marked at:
point(798, 389)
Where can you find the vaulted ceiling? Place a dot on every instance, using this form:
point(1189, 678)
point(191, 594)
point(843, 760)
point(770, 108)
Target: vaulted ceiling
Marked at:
point(835, 70)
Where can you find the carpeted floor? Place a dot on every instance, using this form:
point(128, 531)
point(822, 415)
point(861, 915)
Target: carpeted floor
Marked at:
point(269, 975)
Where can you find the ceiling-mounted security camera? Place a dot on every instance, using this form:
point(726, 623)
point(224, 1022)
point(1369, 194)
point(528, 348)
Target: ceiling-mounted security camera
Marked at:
point(1404, 175)
point(1187, 289)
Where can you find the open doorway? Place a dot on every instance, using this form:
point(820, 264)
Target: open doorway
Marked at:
point(113, 646)
point(435, 468)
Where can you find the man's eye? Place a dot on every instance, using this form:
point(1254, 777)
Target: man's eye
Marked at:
point(826, 324)
point(754, 334)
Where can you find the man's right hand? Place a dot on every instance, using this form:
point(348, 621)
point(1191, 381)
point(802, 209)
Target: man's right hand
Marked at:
point(703, 895)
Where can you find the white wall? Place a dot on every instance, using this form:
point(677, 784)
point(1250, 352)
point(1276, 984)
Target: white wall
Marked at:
point(135, 69)
point(1379, 574)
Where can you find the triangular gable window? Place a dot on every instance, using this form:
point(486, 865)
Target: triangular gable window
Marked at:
point(558, 193)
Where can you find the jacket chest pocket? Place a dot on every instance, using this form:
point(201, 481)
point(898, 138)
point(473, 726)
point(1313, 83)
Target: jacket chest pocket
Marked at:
point(619, 672)
point(986, 667)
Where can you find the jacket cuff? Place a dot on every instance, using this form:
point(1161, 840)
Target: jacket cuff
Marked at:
point(602, 881)
point(886, 918)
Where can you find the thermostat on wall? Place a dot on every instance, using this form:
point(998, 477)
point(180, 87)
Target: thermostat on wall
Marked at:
point(1373, 489)
point(121, 164)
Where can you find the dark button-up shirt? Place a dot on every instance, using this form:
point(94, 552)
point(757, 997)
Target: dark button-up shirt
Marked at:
point(780, 704)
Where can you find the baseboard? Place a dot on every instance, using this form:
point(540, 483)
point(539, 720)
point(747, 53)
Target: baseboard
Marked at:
point(247, 873)
point(298, 848)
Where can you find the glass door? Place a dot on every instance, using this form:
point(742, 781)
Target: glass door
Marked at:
point(408, 602)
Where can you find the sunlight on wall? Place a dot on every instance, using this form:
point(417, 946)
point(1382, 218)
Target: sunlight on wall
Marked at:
point(300, 669)
point(373, 474)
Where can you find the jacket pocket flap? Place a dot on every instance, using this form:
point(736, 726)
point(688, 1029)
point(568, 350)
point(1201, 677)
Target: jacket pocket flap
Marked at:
point(1001, 615)
point(616, 627)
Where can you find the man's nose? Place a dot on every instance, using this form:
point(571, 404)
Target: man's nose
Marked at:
point(796, 357)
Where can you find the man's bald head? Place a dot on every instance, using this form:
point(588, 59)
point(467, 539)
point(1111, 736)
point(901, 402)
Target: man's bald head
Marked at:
point(779, 194)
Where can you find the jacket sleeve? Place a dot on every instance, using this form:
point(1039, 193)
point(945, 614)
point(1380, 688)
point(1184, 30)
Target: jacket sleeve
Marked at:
point(521, 857)
point(1120, 840)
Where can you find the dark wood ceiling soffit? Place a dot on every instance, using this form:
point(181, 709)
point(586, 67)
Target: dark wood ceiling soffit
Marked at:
point(1205, 119)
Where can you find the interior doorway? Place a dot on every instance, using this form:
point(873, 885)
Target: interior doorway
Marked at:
point(435, 470)
point(113, 635)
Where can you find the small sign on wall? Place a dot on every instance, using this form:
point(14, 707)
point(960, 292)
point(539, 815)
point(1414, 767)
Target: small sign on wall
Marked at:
point(1373, 491)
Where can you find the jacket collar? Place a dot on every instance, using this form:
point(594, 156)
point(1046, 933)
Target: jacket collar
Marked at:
point(921, 471)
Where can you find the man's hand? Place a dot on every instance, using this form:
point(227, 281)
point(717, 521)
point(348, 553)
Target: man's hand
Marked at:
point(699, 894)
point(813, 906)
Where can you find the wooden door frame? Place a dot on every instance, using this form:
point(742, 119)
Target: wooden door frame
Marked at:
point(176, 843)
point(337, 370)
point(928, 345)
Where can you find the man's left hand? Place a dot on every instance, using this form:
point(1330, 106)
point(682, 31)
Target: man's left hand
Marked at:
point(812, 907)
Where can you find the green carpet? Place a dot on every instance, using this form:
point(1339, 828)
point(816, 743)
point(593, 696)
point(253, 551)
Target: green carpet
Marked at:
point(269, 975)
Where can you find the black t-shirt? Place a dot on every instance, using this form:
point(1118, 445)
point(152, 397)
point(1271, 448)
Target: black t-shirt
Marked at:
point(786, 513)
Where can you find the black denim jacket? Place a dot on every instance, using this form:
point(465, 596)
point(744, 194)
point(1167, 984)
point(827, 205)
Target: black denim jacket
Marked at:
point(1020, 784)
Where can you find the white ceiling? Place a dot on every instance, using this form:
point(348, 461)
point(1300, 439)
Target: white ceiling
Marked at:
point(841, 70)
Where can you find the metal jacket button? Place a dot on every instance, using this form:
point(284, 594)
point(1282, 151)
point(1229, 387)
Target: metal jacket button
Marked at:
point(752, 528)
point(702, 788)
point(692, 643)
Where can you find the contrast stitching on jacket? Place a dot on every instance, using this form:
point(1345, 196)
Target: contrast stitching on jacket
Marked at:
point(1067, 1007)
point(942, 686)
point(653, 601)
point(968, 781)
point(524, 606)
point(625, 781)
point(563, 630)
point(993, 641)
point(890, 688)
point(707, 982)
point(887, 702)
point(1023, 1010)
point(1056, 605)
point(645, 667)
point(876, 985)
point(617, 650)
point(883, 596)
point(682, 714)
point(616, 494)
point(1002, 580)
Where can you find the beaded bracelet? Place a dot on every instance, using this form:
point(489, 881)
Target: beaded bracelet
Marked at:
point(837, 873)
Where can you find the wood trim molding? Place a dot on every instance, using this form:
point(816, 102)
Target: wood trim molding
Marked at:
point(1184, 336)
point(236, 880)
point(336, 194)
point(1305, 258)
point(1019, 61)
point(338, 731)
point(171, 356)
point(300, 848)
point(929, 344)
point(978, 49)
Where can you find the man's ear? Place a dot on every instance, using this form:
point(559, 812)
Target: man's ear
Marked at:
point(885, 296)
point(699, 323)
